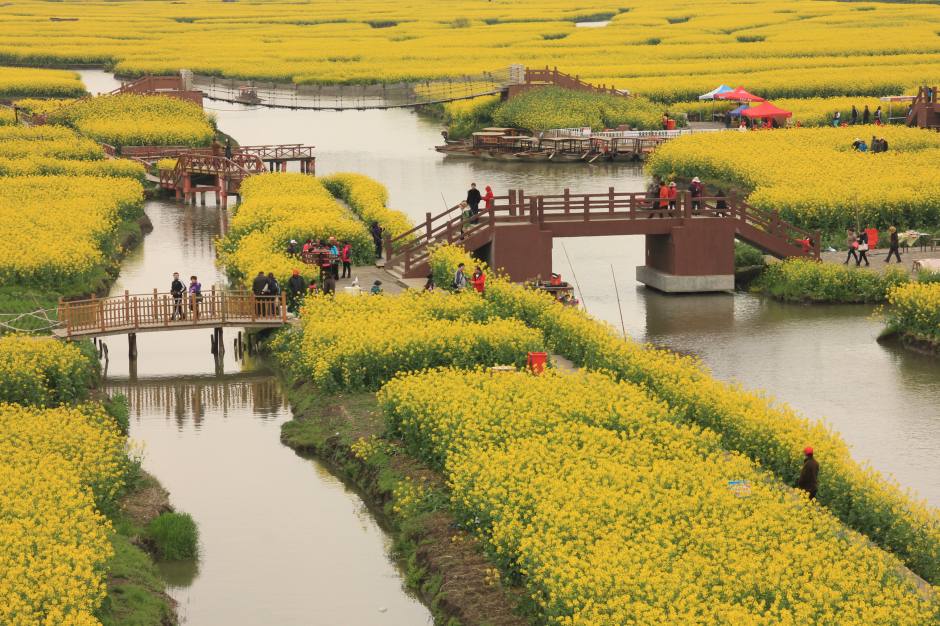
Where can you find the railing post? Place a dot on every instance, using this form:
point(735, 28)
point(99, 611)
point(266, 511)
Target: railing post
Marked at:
point(388, 246)
point(254, 307)
point(587, 207)
point(686, 205)
point(127, 306)
point(192, 308)
point(610, 201)
point(283, 307)
point(100, 311)
point(541, 217)
point(156, 315)
point(567, 200)
point(166, 312)
point(223, 303)
point(512, 202)
point(427, 226)
point(136, 312)
point(533, 209)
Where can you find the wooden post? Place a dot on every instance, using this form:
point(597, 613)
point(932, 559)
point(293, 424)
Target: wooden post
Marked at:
point(567, 201)
point(283, 307)
point(254, 307)
point(100, 311)
point(587, 207)
point(223, 305)
point(127, 307)
point(132, 346)
point(136, 312)
point(212, 302)
point(192, 308)
point(156, 306)
point(512, 202)
point(388, 246)
point(610, 201)
point(166, 312)
point(427, 226)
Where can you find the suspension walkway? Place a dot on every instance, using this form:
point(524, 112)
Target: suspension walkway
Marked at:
point(689, 246)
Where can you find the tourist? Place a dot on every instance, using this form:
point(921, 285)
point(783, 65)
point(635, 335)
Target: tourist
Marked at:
point(473, 200)
point(376, 231)
point(866, 115)
point(216, 147)
point(258, 286)
point(663, 198)
point(837, 119)
point(195, 295)
point(652, 193)
point(324, 261)
point(673, 195)
point(478, 280)
point(345, 256)
point(334, 258)
point(466, 215)
point(665, 121)
point(292, 248)
point(875, 144)
point(296, 286)
point(376, 288)
point(429, 283)
point(893, 245)
point(177, 289)
point(697, 190)
point(228, 148)
point(878, 116)
point(809, 475)
point(854, 115)
point(883, 145)
point(856, 145)
point(460, 279)
point(308, 245)
point(862, 249)
point(851, 241)
point(721, 204)
point(329, 285)
point(488, 198)
point(312, 288)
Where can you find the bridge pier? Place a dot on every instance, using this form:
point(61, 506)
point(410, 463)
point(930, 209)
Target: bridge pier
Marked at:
point(132, 346)
point(696, 257)
point(218, 345)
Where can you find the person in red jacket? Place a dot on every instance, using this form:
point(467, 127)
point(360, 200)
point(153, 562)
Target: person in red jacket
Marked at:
point(345, 256)
point(488, 197)
point(478, 280)
point(663, 198)
point(673, 196)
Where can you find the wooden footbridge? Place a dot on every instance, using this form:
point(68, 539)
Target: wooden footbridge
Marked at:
point(925, 109)
point(689, 245)
point(131, 314)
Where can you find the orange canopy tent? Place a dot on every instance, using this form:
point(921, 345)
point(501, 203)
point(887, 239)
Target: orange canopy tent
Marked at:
point(765, 110)
point(738, 95)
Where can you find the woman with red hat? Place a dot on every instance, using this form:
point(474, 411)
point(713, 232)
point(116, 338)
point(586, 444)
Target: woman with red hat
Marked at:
point(809, 475)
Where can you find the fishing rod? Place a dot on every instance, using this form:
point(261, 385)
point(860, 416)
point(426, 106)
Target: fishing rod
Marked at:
point(573, 275)
point(619, 308)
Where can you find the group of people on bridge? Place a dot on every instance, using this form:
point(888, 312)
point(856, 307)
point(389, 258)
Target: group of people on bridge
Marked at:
point(664, 196)
point(180, 292)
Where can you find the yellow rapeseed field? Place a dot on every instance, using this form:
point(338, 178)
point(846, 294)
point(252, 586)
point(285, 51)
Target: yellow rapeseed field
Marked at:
point(368, 199)
point(43, 371)
point(666, 49)
point(814, 178)
point(28, 150)
point(19, 82)
point(609, 513)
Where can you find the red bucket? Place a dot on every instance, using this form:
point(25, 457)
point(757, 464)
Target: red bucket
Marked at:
point(535, 362)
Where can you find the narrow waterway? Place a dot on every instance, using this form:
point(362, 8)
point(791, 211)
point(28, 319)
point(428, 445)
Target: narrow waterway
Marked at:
point(823, 360)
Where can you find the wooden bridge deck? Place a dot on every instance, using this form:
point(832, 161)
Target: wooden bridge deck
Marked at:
point(139, 313)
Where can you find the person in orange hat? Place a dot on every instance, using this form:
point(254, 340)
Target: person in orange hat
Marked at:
point(809, 475)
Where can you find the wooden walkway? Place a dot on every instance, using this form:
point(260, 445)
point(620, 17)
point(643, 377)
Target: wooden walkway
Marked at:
point(139, 313)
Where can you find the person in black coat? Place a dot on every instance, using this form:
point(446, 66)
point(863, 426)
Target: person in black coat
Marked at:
point(893, 245)
point(258, 286)
point(376, 231)
point(296, 288)
point(809, 475)
point(862, 249)
point(177, 289)
point(473, 199)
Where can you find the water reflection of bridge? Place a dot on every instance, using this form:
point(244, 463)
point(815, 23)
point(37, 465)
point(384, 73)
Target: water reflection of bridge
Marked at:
point(181, 397)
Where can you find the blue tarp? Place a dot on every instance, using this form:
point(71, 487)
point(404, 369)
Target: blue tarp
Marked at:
point(737, 112)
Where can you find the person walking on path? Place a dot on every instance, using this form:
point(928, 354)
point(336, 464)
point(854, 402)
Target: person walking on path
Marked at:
point(862, 249)
point(866, 115)
point(473, 200)
point(296, 287)
point(460, 279)
point(878, 116)
point(258, 286)
point(854, 115)
point(345, 256)
point(893, 245)
point(177, 289)
point(376, 231)
point(489, 198)
point(851, 241)
point(697, 190)
point(478, 280)
point(809, 475)
point(195, 295)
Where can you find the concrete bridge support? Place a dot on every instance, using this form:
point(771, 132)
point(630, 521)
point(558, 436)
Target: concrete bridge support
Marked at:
point(694, 257)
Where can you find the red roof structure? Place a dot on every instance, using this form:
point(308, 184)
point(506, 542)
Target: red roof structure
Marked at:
point(765, 110)
point(738, 95)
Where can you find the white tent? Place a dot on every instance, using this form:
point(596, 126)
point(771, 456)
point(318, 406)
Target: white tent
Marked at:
point(717, 90)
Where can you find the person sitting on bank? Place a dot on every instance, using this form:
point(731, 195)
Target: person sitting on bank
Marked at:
point(429, 284)
point(376, 288)
point(809, 475)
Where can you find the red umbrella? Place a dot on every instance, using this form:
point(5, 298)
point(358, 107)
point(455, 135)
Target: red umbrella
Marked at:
point(738, 95)
point(765, 110)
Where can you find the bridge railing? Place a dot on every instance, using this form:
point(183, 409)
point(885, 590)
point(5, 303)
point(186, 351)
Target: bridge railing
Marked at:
point(131, 312)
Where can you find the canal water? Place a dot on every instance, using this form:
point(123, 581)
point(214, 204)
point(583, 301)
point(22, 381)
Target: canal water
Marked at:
point(284, 542)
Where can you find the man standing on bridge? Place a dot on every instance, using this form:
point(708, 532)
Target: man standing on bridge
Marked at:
point(177, 288)
point(473, 199)
point(258, 286)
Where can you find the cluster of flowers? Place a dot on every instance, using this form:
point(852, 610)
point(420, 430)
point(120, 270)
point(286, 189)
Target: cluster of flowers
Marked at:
point(60, 232)
point(590, 494)
point(134, 120)
point(804, 280)
point(914, 311)
point(367, 198)
point(281, 207)
point(59, 467)
point(560, 108)
point(355, 342)
point(768, 432)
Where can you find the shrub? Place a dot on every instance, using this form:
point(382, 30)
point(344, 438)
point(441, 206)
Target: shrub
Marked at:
point(802, 280)
point(553, 107)
point(174, 536)
point(914, 311)
point(44, 372)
